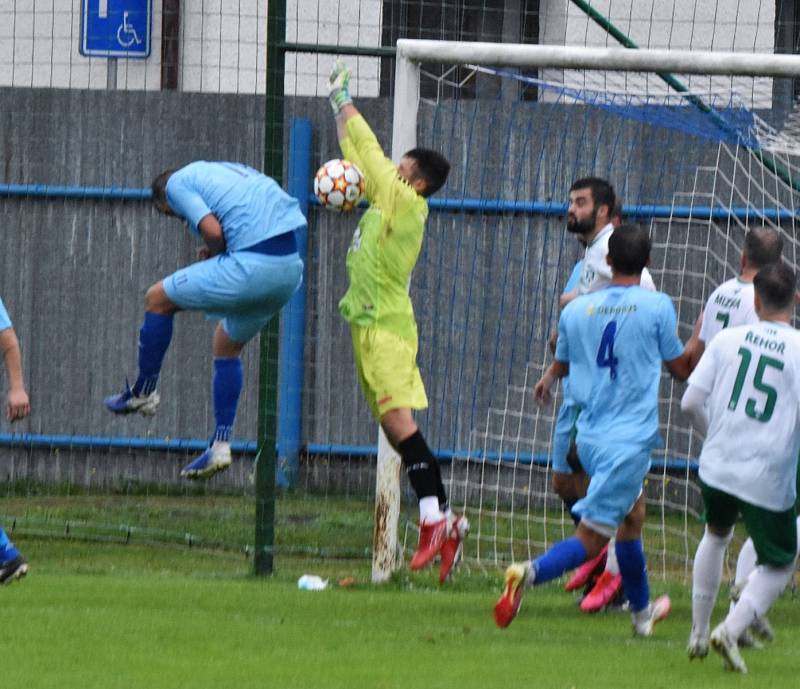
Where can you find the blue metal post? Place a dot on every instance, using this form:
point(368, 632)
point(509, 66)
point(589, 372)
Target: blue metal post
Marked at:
point(290, 389)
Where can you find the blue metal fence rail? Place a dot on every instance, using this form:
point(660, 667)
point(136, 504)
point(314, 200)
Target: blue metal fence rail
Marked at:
point(289, 445)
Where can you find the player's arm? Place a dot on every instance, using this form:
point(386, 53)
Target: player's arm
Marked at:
point(344, 110)
point(676, 357)
point(213, 236)
point(361, 146)
point(18, 406)
point(680, 368)
point(569, 293)
point(560, 366)
point(567, 297)
point(349, 151)
point(186, 200)
point(701, 383)
point(696, 346)
point(542, 391)
point(693, 404)
point(383, 181)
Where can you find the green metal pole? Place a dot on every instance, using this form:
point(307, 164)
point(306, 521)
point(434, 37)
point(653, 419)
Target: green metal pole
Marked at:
point(268, 354)
point(331, 49)
point(762, 156)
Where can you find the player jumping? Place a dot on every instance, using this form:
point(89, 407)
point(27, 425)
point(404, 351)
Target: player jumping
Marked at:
point(248, 269)
point(382, 254)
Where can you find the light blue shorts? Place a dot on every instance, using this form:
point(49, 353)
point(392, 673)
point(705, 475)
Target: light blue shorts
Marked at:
point(616, 475)
point(243, 289)
point(563, 435)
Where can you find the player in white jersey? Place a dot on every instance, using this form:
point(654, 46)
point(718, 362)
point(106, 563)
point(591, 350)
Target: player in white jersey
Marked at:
point(591, 218)
point(613, 342)
point(729, 305)
point(744, 396)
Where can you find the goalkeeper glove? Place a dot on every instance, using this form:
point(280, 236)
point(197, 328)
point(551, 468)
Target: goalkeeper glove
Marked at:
point(339, 86)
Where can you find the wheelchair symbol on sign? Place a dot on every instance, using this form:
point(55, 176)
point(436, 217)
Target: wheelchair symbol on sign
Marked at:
point(126, 34)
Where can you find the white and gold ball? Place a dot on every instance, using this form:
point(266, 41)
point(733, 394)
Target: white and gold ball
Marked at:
point(339, 185)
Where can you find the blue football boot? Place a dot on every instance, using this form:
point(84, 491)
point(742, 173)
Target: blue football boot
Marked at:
point(12, 565)
point(127, 403)
point(215, 459)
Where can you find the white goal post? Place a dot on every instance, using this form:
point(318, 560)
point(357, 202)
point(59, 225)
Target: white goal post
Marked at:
point(411, 54)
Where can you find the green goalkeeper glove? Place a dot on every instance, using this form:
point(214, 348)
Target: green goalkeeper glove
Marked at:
point(339, 86)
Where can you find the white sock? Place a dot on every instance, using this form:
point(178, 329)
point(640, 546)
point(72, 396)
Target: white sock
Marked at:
point(222, 445)
point(798, 534)
point(763, 587)
point(612, 564)
point(706, 579)
point(745, 564)
point(429, 509)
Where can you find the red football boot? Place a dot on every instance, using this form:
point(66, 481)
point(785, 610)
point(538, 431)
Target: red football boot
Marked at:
point(432, 536)
point(587, 570)
point(451, 550)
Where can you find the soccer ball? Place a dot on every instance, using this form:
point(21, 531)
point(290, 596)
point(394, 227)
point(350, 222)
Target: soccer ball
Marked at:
point(339, 185)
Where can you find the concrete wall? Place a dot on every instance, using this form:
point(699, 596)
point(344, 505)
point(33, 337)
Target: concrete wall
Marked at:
point(485, 289)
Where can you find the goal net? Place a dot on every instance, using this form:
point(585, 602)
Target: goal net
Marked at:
point(697, 155)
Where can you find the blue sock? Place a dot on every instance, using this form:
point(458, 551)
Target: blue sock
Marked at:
point(562, 557)
point(154, 337)
point(227, 386)
point(633, 568)
point(7, 549)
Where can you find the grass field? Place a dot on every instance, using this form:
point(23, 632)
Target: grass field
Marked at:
point(104, 614)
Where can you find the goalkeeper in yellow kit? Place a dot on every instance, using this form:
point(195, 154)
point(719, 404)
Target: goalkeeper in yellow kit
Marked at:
point(380, 259)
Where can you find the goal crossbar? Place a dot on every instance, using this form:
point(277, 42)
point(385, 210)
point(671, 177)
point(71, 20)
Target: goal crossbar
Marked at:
point(617, 59)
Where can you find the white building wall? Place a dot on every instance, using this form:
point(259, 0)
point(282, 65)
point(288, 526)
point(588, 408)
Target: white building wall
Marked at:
point(222, 46)
point(223, 42)
point(715, 25)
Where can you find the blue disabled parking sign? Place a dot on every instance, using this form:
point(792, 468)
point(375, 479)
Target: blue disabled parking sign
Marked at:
point(116, 28)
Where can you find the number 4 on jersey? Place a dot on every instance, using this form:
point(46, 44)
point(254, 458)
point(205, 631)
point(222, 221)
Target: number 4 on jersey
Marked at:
point(605, 353)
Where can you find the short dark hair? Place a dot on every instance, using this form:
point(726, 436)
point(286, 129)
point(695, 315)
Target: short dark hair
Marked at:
point(762, 246)
point(629, 249)
point(433, 167)
point(159, 186)
point(775, 285)
point(602, 192)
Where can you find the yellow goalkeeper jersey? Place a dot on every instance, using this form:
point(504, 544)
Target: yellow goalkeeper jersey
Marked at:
point(386, 243)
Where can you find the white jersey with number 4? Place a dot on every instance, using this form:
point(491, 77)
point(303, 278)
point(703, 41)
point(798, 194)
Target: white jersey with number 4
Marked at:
point(752, 376)
point(731, 304)
point(596, 273)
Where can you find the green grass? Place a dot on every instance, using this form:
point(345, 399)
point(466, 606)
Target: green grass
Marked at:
point(315, 526)
point(104, 614)
point(108, 616)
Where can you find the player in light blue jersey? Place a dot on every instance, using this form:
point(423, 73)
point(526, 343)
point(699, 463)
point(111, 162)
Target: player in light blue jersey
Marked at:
point(248, 269)
point(12, 564)
point(591, 219)
point(611, 343)
point(574, 277)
